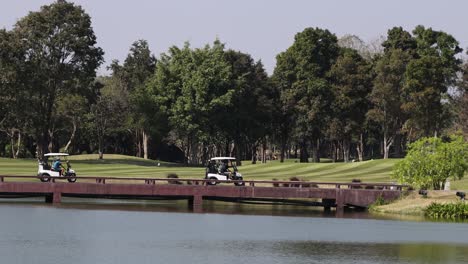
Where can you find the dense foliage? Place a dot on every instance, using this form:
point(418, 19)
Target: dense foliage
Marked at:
point(448, 211)
point(331, 97)
point(431, 161)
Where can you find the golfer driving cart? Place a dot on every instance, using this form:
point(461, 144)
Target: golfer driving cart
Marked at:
point(223, 169)
point(56, 169)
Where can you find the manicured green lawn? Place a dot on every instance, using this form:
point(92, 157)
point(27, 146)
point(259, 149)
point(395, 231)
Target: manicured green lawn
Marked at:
point(125, 166)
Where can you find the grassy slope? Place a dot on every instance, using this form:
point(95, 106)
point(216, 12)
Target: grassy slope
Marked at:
point(119, 165)
point(414, 204)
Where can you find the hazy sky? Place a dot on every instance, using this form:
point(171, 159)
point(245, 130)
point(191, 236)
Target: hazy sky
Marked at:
point(262, 28)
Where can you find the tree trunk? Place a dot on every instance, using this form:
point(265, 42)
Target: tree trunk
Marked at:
point(254, 154)
point(303, 154)
point(138, 143)
point(238, 154)
point(264, 147)
point(71, 137)
point(12, 144)
point(51, 141)
point(387, 143)
point(346, 147)
point(360, 148)
point(334, 149)
point(283, 150)
point(145, 144)
point(316, 150)
point(42, 144)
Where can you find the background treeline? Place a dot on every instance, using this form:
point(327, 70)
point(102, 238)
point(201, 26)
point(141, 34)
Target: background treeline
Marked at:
point(327, 98)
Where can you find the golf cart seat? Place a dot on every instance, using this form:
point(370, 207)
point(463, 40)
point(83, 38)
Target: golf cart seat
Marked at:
point(45, 165)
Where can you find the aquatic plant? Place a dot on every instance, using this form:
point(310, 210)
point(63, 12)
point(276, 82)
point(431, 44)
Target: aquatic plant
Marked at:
point(449, 210)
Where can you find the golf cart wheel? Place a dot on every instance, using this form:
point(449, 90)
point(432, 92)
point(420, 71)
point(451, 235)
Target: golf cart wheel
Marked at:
point(44, 177)
point(213, 181)
point(72, 178)
point(240, 183)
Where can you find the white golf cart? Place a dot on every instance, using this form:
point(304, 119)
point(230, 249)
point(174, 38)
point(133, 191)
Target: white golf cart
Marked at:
point(45, 170)
point(223, 169)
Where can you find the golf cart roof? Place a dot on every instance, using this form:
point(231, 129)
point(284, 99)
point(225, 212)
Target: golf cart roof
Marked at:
point(55, 154)
point(223, 158)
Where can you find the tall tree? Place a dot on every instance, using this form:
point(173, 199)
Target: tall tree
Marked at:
point(61, 57)
point(428, 78)
point(192, 87)
point(137, 68)
point(13, 96)
point(387, 94)
point(459, 101)
point(283, 78)
point(103, 120)
point(351, 84)
point(301, 72)
point(249, 119)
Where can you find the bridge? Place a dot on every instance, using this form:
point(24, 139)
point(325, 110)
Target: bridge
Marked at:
point(331, 194)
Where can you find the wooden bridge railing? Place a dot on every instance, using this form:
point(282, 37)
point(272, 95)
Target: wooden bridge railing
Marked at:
point(251, 183)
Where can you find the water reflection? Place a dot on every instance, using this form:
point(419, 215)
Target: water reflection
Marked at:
point(375, 253)
point(181, 206)
point(109, 231)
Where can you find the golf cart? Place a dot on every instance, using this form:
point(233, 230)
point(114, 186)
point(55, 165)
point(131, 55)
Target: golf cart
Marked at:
point(223, 169)
point(46, 171)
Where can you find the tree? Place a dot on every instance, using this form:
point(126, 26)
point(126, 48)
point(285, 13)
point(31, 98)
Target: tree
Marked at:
point(367, 51)
point(192, 88)
point(350, 77)
point(460, 103)
point(283, 78)
point(249, 119)
point(138, 67)
point(72, 110)
point(102, 120)
point(61, 59)
point(428, 78)
point(301, 74)
point(15, 101)
point(431, 161)
point(386, 96)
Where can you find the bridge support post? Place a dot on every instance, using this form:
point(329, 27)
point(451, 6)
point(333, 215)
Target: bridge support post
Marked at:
point(340, 203)
point(196, 203)
point(57, 197)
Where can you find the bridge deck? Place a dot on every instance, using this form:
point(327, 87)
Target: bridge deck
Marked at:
point(335, 194)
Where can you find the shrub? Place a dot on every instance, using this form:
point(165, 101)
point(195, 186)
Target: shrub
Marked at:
point(275, 184)
point(431, 161)
point(356, 186)
point(173, 176)
point(451, 210)
point(295, 179)
point(378, 202)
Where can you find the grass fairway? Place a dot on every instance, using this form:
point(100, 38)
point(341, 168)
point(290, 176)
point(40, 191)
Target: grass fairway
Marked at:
point(125, 166)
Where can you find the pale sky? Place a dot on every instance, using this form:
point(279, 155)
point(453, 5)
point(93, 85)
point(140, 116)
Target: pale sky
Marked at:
point(262, 28)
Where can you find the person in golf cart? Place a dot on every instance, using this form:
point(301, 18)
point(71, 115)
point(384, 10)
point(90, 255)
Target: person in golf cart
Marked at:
point(57, 165)
point(224, 168)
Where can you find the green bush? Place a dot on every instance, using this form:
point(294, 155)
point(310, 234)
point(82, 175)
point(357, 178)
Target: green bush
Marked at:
point(451, 210)
point(378, 202)
point(431, 161)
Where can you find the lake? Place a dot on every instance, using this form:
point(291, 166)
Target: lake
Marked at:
point(103, 231)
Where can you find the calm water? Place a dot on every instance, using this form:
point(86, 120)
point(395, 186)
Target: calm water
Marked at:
point(107, 232)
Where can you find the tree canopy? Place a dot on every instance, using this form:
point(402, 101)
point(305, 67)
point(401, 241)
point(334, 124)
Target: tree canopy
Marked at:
point(328, 97)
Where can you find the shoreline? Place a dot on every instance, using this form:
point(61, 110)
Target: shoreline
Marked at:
point(414, 204)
